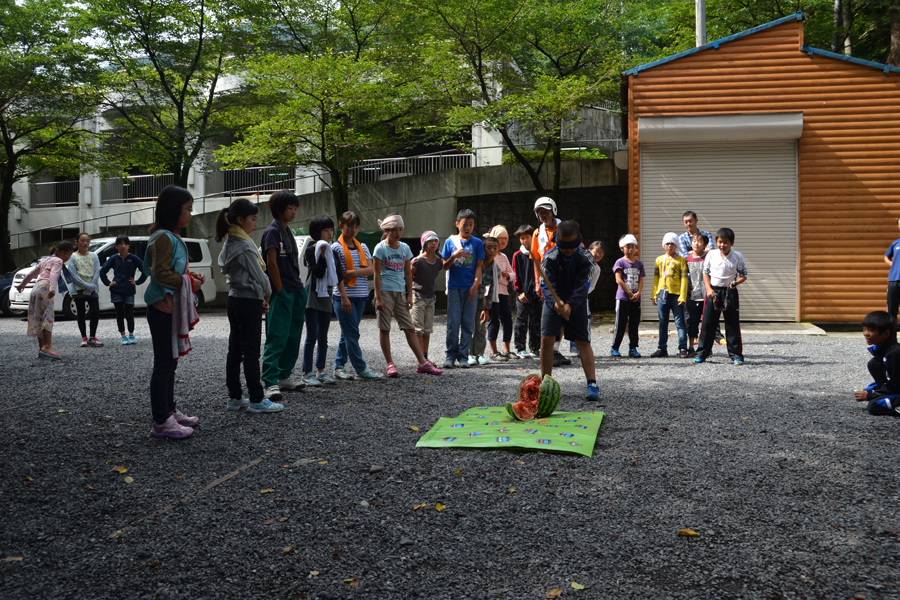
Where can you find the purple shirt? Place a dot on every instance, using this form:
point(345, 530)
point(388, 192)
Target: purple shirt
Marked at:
point(631, 274)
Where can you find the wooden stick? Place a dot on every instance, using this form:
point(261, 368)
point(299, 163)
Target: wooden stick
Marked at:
point(544, 277)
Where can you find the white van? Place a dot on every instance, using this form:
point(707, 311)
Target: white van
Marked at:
point(199, 257)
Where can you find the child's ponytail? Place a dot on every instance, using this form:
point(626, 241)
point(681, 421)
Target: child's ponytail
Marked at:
point(222, 224)
point(63, 246)
point(228, 216)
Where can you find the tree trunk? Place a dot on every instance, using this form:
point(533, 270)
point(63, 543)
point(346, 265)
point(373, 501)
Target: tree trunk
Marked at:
point(557, 161)
point(836, 33)
point(893, 57)
point(180, 172)
point(340, 190)
point(6, 194)
point(534, 175)
point(847, 18)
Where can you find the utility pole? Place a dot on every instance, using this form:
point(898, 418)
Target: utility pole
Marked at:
point(700, 6)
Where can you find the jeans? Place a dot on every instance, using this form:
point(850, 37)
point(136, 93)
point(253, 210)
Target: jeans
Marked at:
point(348, 344)
point(162, 381)
point(460, 324)
point(317, 323)
point(245, 317)
point(663, 307)
point(692, 314)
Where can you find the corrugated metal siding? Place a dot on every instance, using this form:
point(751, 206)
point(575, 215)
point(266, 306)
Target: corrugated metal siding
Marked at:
point(750, 187)
point(849, 154)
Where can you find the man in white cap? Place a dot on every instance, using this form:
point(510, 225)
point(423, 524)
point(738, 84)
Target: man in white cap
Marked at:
point(541, 243)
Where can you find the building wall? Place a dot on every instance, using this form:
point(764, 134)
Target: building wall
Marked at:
point(849, 152)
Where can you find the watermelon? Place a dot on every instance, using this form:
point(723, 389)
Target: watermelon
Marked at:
point(536, 398)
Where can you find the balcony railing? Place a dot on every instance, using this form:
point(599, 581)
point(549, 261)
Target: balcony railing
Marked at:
point(55, 193)
point(134, 188)
point(238, 182)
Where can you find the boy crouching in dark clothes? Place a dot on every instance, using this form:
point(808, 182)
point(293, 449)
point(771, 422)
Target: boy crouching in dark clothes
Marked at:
point(883, 395)
point(567, 267)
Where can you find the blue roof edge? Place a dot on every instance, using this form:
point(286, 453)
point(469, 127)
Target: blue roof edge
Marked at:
point(797, 16)
point(857, 61)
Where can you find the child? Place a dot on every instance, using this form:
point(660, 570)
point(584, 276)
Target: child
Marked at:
point(323, 274)
point(528, 303)
point(670, 288)
point(567, 268)
point(630, 279)
point(84, 266)
point(488, 295)
point(40, 306)
point(542, 242)
point(287, 306)
point(248, 301)
point(464, 255)
point(597, 250)
point(170, 308)
point(425, 270)
point(723, 271)
point(357, 265)
point(394, 294)
point(883, 394)
point(696, 288)
point(123, 286)
point(893, 289)
point(500, 312)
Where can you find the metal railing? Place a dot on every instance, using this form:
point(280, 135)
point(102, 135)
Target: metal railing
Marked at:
point(134, 188)
point(47, 194)
point(370, 171)
point(235, 182)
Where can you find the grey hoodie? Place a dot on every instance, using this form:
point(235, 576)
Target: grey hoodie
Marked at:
point(239, 262)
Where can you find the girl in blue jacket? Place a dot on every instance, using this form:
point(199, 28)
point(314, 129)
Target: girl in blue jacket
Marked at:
point(122, 288)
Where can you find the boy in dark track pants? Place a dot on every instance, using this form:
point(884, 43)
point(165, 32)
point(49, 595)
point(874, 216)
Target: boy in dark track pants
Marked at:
point(630, 279)
point(723, 270)
point(883, 394)
point(528, 306)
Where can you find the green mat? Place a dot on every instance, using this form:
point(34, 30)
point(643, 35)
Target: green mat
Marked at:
point(490, 427)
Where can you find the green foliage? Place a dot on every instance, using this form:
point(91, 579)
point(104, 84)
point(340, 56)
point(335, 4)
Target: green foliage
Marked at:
point(535, 156)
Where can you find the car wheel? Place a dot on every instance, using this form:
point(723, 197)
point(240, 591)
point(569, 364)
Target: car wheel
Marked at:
point(70, 311)
point(199, 300)
point(7, 309)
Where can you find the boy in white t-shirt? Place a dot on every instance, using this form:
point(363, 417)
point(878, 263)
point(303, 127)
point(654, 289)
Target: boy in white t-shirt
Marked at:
point(723, 270)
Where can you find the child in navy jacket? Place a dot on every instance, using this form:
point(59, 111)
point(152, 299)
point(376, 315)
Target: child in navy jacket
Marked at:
point(122, 288)
point(883, 394)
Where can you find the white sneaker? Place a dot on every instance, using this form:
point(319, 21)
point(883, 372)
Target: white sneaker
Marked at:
point(289, 384)
point(273, 392)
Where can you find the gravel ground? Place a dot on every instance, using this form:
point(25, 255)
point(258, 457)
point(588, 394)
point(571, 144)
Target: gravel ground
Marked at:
point(791, 486)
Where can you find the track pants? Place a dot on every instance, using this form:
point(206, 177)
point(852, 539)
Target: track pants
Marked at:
point(893, 297)
point(724, 303)
point(245, 317)
point(628, 315)
point(528, 325)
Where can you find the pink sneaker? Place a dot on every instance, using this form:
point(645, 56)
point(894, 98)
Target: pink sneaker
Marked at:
point(392, 370)
point(185, 420)
point(171, 429)
point(428, 368)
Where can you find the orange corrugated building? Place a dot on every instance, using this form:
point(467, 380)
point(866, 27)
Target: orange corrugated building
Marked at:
point(795, 148)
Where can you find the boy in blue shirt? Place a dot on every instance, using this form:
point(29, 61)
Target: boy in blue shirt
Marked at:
point(122, 288)
point(883, 394)
point(893, 291)
point(465, 254)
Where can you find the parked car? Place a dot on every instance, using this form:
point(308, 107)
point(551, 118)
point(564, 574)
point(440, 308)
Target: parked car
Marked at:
point(199, 256)
point(7, 293)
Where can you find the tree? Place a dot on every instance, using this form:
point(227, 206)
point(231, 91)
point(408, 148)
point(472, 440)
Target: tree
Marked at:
point(167, 87)
point(46, 96)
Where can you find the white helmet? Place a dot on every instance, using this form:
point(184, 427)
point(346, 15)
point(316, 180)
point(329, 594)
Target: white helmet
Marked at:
point(545, 202)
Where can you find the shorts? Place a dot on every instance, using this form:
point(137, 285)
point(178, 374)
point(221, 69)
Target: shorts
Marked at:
point(116, 298)
point(423, 315)
point(577, 328)
point(394, 307)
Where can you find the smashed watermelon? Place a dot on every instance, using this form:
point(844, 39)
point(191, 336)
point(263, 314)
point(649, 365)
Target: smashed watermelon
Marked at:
point(535, 397)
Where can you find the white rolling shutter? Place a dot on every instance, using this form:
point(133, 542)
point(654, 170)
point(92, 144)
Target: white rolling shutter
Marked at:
point(750, 187)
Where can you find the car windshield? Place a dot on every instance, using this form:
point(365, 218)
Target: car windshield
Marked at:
point(95, 246)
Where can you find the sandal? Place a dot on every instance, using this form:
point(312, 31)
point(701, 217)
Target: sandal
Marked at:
point(392, 370)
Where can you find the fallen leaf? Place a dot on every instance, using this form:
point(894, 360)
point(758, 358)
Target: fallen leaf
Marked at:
point(577, 586)
point(511, 490)
point(267, 491)
point(688, 533)
point(418, 506)
point(129, 479)
point(314, 573)
point(63, 410)
point(521, 462)
point(364, 503)
point(121, 469)
point(458, 472)
point(891, 530)
point(153, 564)
point(178, 477)
point(29, 479)
point(13, 559)
point(90, 487)
point(282, 519)
point(285, 466)
point(268, 521)
point(89, 424)
point(321, 416)
point(554, 592)
point(393, 400)
point(439, 507)
point(413, 427)
point(287, 550)
point(323, 462)
point(350, 581)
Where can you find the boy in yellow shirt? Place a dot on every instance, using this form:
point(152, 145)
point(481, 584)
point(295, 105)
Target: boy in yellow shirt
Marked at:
point(670, 289)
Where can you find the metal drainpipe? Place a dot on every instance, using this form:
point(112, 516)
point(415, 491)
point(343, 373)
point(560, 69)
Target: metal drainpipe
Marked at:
point(700, 6)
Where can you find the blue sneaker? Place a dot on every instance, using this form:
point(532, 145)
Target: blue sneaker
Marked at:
point(473, 362)
point(125, 341)
point(311, 380)
point(368, 373)
point(614, 352)
point(131, 339)
point(237, 403)
point(738, 362)
point(266, 406)
point(593, 392)
point(633, 353)
point(698, 359)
